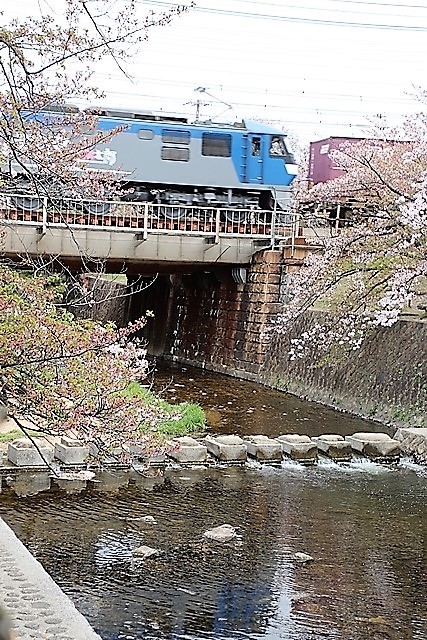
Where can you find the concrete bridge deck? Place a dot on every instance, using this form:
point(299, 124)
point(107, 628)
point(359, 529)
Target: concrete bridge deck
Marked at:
point(131, 234)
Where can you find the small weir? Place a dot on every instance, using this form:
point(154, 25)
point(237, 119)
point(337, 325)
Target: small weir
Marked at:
point(29, 469)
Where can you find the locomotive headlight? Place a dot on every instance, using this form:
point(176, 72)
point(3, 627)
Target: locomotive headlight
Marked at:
point(292, 169)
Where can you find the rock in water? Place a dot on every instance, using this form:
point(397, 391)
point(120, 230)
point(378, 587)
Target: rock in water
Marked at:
point(223, 533)
point(302, 557)
point(145, 552)
point(149, 519)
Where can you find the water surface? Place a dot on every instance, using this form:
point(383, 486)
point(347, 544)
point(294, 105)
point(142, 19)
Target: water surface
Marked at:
point(365, 526)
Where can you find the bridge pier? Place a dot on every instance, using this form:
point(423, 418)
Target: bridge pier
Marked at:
point(216, 316)
point(211, 320)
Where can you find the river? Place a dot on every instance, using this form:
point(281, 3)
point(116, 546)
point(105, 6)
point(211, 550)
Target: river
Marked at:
point(365, 525)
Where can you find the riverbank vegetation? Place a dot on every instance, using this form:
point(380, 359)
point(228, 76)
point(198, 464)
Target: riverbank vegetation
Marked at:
point(178, 419)
point(63, 375)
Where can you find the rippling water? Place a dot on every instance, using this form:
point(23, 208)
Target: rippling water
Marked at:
point(365, 526)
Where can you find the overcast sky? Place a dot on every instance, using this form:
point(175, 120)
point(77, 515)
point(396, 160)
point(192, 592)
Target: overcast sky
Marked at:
point(314, 67)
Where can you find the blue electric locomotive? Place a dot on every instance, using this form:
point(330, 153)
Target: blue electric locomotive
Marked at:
point(168, 159)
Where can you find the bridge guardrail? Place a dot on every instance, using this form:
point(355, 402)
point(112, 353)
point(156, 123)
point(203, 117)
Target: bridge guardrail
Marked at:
point(145, 218)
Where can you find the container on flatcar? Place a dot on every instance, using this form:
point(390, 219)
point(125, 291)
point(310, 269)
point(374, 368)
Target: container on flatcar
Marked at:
point(321, 165)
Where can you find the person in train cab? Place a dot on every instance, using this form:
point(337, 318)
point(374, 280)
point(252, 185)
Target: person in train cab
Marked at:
point(276, 147)
point(256, 147)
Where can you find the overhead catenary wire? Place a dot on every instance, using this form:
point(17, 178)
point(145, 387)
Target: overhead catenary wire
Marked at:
point(314, 87)
point(347, 3)
point(260, 91)
point(287, 18)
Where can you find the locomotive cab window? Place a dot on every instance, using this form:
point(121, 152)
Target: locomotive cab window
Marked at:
point(278, 149)
point(277, 146)
point(256, 146)
point(216, 144)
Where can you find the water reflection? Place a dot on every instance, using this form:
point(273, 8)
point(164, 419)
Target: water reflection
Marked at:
point(365, 526)
point(366, 531)
point(236, 406)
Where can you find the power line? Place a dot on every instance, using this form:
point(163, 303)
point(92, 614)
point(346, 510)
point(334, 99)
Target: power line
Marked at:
point(311, 21)
point(381, 4)
point(253, 105)
point(302, 93)
point(332, 10)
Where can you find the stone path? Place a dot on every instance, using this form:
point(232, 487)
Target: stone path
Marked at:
point(37, 606)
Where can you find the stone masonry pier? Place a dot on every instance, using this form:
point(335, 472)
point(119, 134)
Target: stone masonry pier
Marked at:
point(220, 319)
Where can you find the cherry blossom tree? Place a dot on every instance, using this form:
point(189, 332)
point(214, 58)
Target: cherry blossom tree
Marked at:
point(58, 373)
point(365, 275)
point(48, 61)
point(63, 375)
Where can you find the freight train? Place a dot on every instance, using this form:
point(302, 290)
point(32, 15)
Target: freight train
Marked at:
point(169, 160)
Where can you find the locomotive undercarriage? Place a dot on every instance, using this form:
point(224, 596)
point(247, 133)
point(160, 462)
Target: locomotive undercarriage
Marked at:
point(179, 197)
point(236, 203)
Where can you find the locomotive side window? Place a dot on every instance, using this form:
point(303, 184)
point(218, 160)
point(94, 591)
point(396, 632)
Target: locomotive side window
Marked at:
point(277, 146)
point(179, 154)
point(256, 146)
point(216, 144)
point(145, 134)
point(175, 136)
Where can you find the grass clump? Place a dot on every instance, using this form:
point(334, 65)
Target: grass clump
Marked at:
point(10, 436)
point(179, 419)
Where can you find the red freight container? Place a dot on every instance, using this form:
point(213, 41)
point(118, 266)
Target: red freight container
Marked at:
point(321, 167)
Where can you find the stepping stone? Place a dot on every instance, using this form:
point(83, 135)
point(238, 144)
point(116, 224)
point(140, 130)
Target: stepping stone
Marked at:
point(263, 449)
point(226, 448)
point(413, 442)
point(70, 451)
point(334, 446)
point(186, 450)
point(298, 448)
point(23, 453)
point(29, 484)
point(376, 446)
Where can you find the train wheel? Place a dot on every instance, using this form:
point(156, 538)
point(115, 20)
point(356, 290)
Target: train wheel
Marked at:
point(173, 213)
point(96, 208)
point(27, 203)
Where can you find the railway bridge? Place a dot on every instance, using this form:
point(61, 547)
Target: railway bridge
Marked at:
point(138, 237)
point(216, 277)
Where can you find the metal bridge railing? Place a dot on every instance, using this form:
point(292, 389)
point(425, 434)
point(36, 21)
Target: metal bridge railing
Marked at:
point(145, 217)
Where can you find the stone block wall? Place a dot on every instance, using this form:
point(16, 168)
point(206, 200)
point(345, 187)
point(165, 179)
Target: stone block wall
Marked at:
point(208, 320)
point(386, 379)
point(220, 324)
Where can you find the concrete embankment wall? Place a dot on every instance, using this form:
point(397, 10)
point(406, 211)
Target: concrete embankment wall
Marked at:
point(208, 320)
point(37, 606)
point(386, 379)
